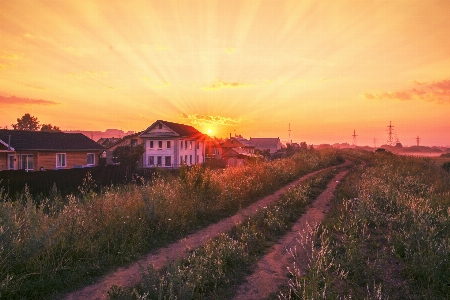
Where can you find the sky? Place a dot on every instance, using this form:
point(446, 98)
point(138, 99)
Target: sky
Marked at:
point(324, 69)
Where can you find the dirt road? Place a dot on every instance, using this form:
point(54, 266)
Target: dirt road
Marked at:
point(130, 275)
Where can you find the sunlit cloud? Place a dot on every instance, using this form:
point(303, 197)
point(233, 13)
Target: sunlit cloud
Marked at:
point(89, 74)
point(80, 52)
point(5, 65)
point(230, 50)
point(156, 85)
point(8, 55)
point(35, 86)
point(432, 91)
point(197, 119)
point(221, 85)
point(13, 100)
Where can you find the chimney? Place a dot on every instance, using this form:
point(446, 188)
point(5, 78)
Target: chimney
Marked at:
point(230, 135)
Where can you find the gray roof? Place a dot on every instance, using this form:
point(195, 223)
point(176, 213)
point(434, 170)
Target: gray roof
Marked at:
point(50, 141)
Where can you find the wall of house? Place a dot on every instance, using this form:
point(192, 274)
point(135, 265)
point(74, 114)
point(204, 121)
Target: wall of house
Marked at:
point(47, 160)
point(178, 154)
point(3, 161)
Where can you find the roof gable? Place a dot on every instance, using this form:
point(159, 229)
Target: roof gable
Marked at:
point(39, 140)
point(170, 129)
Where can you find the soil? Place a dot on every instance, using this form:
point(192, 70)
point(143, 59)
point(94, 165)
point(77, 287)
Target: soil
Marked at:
point(271, 271)
point(268, 271)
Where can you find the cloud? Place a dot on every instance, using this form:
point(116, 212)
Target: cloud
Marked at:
point(152, 83)
point(35, 86)
point(5, 65)
point(197, 119)
point(13, 100)
point(221, 85)
point(89, 74)
point(8, 55)
point(230, 50)
point(432, 91)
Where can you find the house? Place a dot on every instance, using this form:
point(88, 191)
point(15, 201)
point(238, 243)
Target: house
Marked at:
point(107, 142)
point(35, 150)
point(129, 140)
point(169, 145)
point(262, 144)
point(236, 150)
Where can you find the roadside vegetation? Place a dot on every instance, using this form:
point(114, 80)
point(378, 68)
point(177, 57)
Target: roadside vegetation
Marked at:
point(214, 270)
point(386, 237)
point(66, 242)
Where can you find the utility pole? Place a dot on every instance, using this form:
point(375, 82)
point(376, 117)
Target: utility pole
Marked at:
point(417, 140)
point(289, 132)
point(354, 137)
point(390, 130)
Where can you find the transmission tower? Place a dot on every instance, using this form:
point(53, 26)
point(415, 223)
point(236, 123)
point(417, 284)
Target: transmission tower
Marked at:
point(417, 140)
point(354, 137)
point(374, 142)
point(390, 131)
point(289, 131)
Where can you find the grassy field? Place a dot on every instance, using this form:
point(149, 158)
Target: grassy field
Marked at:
point(387, 235)
point(62, 244)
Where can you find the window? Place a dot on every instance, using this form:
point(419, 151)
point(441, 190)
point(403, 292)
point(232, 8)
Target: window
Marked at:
point(151, 160)
point(198, 159)
point(151, 144)
point(185, 159)
point(159, 144)
point(190, 159)
point(181, 159)
point(198, 145)
point(168, 161)
point(90, 159)
point(181, 144)
point(185, 144)
point(190, 145)
point(11, 161)
point(26, 162)
point(60, 160)
point(168, 144)
point(159, 126)
point(159, 160)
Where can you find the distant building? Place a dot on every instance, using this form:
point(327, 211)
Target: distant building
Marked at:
point(271, 144)
point(96, 135)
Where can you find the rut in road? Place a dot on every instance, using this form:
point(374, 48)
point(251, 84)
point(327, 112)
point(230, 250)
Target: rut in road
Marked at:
point(131, 275)
point(271, 270)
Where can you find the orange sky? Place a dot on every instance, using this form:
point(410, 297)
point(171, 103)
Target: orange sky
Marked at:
point(250, 67)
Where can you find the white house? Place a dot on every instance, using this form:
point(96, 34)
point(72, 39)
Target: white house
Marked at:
point(169, 145)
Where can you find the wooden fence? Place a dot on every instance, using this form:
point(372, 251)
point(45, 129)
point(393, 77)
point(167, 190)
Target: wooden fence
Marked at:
point(67, 181)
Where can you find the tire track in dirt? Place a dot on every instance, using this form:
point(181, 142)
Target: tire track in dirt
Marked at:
point(271, 270)
point(131, 275)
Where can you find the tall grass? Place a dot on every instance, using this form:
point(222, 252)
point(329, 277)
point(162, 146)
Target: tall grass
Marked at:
point(387, 236)
point(211, 271)
point(63, 243)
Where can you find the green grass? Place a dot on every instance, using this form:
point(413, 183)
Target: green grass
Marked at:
point(385, 237)
point(62, 244)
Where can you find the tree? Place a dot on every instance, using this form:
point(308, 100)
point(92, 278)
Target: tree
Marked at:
point(129, 155)
point(50, 128)
point(27, 122)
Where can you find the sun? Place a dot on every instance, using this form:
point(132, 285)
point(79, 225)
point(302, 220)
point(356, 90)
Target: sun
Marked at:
point(209, 131)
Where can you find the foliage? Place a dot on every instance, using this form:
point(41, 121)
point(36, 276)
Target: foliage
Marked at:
point(26, 122)
point(50, 128)
point(446, 166)
point(65, 242)
point(213, 269)
point(129, 155)
point(386, 236)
